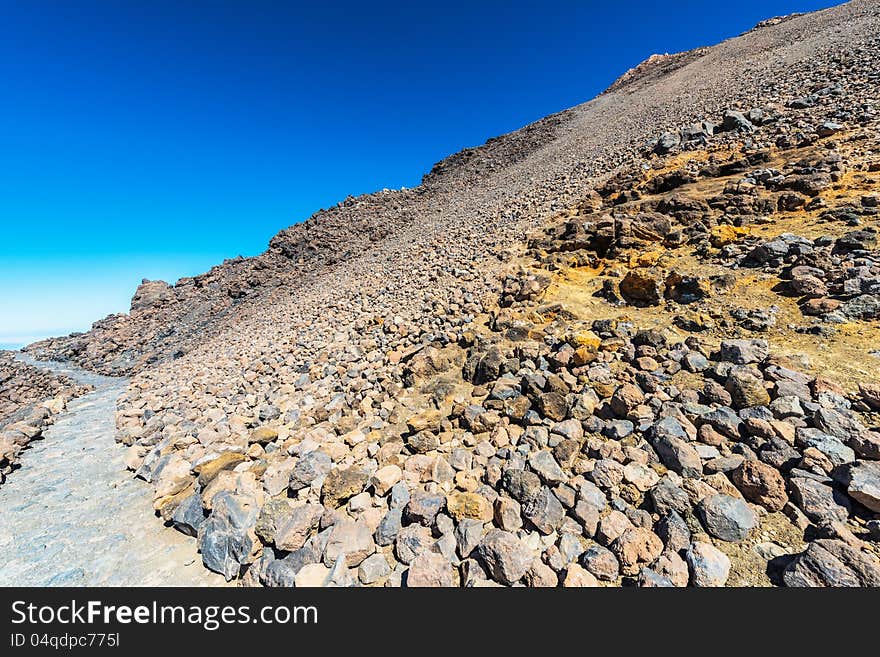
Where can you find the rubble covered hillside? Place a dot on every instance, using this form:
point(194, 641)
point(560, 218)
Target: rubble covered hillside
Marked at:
point(635, 343)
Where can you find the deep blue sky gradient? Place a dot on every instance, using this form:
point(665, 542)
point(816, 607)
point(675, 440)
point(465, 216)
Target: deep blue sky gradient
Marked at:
point(154, 139)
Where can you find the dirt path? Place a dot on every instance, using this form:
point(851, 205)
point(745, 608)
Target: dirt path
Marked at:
point(73, 516)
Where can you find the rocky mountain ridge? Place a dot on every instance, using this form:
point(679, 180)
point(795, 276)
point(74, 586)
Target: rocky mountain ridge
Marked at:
point(594, 352)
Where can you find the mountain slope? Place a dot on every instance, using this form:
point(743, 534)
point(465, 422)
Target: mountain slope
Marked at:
point(359, 357)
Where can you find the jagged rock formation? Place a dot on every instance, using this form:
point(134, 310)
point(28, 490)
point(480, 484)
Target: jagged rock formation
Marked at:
point(572, 356)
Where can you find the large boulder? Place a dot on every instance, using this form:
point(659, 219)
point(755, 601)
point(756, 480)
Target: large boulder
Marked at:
point(228, 541)
point(829, 562)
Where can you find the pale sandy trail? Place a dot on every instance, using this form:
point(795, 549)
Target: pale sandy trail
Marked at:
point(73, 516)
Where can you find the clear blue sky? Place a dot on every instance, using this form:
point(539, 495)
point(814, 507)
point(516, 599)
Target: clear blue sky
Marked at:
point(153, 139)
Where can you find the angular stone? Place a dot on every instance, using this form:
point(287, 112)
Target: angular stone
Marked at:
point(651, 579)
point(640, 476)
point(828, 562)
point(227, 538)
point(545, 511)
point(728, 518)
point(635, 547)
point(522, 485)
point(761, 484)
point(668, 498)
point(308, 468)
point(423, 507)
point(350, 538)
point(189, 516)
point(611, 526)
point(709, 566)
point(263, 436)
point(430, 569)
point(313, 575)
point(743, 352)
point(553, 405)
point(607, 473)
point(384, 479)
point(468, 505)
point(548, 469)
point(643, 287)
point(468, 534)
point(293, 529)
point(504, 555)
point(830, 446)
point(341, 484)
point(578, 577)
point(601, 562)
point(540, 575)
point(820, 503)
point(678, 456)
point(373, 568)
point(273, 510)
point(226, 461)
point(172, 483)
point(411, 541)
point(746, 389)
point(674, 532)
point(389, 526)
point(507, 514)
point(862, 481)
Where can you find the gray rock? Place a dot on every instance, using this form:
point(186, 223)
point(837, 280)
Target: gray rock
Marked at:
point(786, 407)
point(734, 120)
point(601, 562)
point(668, 498)
point(834, 449)
point(667, 142)
point(709, 566)
point(545, 511)
point(694, 361)
point(725, 421)
point(862, 481)
point(607, 473)
point(728, 518)
point(189, 516)
point(308, 468)
point(388, 528)
point(743, 352)
point(591, 494)
point(423, 507)
point(399, 495)
point(674, 532)
point(468, 534)
point(828, 562)
point(820, 503)
point(504, 555)
point(411, 541)
point(350, 539)
point(548, 469)
point(269, 412)
point(678, 455)
point(282, 573)
point(373, 568)
point(522, 485)
point(650, 579)
point(293, 529)
point(618, 429)
point(570, 546)
point(225, 541)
